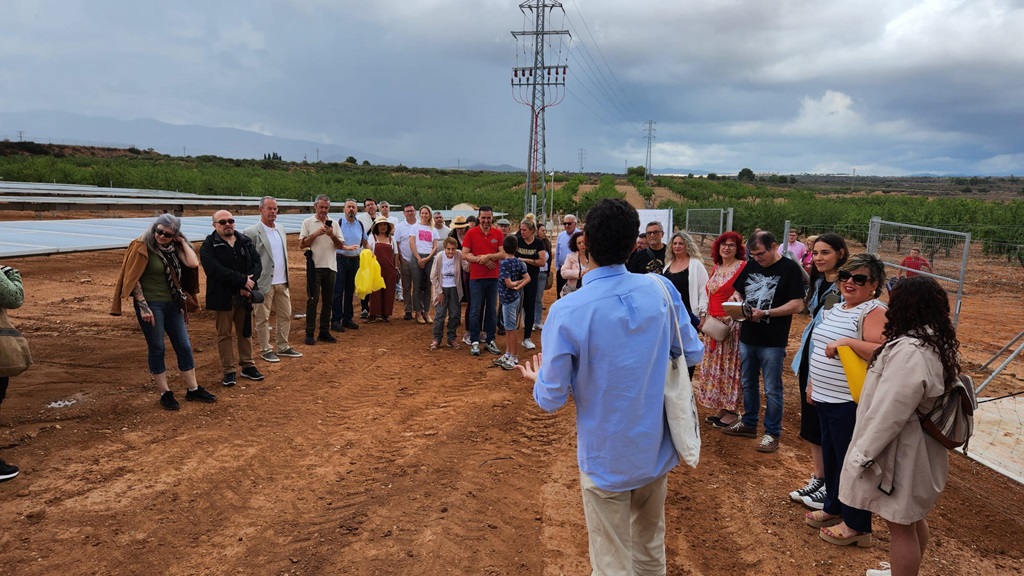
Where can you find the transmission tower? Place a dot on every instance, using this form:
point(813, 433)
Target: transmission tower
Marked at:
point(650, 144)
point(538, 85)
point(583, 157)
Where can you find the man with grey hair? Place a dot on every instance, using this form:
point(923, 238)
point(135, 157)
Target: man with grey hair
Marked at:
point(319, 238)
point(562, 250)
point(269, 239)
point(651, 259)
point(353, 238)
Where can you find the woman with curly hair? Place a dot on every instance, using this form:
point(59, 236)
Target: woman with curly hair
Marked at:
point(718, 384)
point(919, 360)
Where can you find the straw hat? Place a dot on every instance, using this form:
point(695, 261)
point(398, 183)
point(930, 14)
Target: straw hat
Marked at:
point(382, 220)
point(459, 222)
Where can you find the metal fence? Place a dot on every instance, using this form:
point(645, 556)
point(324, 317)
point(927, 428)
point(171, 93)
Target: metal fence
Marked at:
point(910, 249)
point(708, 221)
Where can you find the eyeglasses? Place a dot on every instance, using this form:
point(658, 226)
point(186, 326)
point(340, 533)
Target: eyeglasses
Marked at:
point(858, 279)
point(730, 245)
point(655, 233)
point(758, 255)
point(226, 222)
point(159, 232)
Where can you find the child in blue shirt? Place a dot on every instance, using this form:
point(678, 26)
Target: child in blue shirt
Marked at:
point(512, 276)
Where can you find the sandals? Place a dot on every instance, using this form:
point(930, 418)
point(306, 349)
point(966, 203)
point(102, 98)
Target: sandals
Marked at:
point(861, 539)
point(821, 519)
point(454, 344)
point(435, 345)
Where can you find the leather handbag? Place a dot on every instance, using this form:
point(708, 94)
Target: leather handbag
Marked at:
point(680, 406)
point(15, 357)
point(715, 328)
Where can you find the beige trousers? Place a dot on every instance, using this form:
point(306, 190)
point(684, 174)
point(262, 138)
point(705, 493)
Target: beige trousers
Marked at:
point(226, 321)
point(626, 529)
point(279, 301)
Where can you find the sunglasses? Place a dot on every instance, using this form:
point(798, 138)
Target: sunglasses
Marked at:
point(858, 279)
point(226, 222)
point(164, 234)
point(567, 223)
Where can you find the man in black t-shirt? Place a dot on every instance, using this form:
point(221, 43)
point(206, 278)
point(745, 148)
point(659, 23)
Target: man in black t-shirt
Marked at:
point(773, 287)
point(651, 259)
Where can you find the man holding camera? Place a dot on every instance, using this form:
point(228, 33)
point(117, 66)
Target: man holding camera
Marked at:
point(232, 269)
point(269, 240)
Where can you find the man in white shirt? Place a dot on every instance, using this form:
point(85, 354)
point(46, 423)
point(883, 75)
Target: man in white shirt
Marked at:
point(562, 250)
point(269, 239)
point(367, 216)
point(402, 232)
point(385, 211)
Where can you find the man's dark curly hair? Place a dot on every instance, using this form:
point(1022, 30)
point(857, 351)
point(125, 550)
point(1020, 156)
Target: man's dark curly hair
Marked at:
point(611, 231)
point(919, 307)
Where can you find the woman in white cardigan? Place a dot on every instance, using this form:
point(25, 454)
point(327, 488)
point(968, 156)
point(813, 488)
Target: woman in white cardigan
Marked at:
point(684, 267)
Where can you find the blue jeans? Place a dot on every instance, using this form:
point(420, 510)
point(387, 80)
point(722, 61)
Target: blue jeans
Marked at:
point(342, 309)
point(168, 320)
point(483, 296)
point(755, 361)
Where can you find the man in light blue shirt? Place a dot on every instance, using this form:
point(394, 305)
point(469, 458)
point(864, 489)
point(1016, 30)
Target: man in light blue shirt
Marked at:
point(353, 238)
point(609, 344)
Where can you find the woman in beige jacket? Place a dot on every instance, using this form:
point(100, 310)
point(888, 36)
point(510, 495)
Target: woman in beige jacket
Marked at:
point(893, 468)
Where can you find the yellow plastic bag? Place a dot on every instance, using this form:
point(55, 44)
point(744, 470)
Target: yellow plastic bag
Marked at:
point(856, 369)
point(368, 277)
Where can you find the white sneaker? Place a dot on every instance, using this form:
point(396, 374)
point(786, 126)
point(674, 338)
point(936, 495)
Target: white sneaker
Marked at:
point(529, 345)
point(883, 571)
point(466, 340)
point(538, 326)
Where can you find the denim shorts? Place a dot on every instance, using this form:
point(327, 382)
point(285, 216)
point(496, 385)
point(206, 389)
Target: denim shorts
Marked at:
point(510, 314)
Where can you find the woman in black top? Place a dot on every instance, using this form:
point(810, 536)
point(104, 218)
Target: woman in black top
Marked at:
point(531, 252)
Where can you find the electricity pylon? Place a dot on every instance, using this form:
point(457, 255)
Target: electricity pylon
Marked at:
point(539, 86)
point(650, 143)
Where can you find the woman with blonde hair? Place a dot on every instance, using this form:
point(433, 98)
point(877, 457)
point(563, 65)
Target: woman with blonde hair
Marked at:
point(684, 267)
point(530, 249)
point(424, 242)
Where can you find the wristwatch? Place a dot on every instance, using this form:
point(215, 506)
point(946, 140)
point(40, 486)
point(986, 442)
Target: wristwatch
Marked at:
point(767, 313)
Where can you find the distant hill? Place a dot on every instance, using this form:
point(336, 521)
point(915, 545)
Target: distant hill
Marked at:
point(46, 127)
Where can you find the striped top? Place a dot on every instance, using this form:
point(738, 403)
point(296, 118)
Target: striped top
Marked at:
point(828, 381)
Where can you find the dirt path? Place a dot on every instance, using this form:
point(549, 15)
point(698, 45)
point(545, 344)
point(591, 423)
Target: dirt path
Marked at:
point(377, 456)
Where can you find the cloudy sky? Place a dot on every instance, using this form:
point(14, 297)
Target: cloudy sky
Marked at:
point(886, 87)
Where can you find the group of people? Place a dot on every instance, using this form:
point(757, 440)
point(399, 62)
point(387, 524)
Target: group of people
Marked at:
point(842, 300)
point(601, 276)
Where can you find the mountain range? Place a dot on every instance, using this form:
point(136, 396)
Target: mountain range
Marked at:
point(55, 127)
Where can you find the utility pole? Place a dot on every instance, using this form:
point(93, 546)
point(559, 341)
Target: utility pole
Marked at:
point(21, 135)
point(650, 144)
point(317, 155)
point(583, 156)
point(539, 86)
point(852, 178)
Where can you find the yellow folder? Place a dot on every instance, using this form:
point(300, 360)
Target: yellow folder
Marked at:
point(856, 369)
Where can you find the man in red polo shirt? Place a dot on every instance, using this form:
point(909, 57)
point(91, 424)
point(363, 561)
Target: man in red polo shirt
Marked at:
point(915, 262)
point(481, 247)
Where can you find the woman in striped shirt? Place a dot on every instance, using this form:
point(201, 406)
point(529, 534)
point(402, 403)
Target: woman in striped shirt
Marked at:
point(857, 323)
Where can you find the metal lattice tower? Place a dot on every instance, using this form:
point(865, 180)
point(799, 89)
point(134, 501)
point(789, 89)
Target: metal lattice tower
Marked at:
point(650, 144)
point(539, 86)
point(583, 157)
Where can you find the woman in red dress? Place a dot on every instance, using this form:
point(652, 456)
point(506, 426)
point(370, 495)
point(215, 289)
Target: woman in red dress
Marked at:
point(382, 242)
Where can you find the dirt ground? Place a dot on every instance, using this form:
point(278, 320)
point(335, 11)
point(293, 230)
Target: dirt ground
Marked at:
point(377, 456)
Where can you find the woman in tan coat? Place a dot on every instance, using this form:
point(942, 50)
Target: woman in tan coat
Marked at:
point(907, 374)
